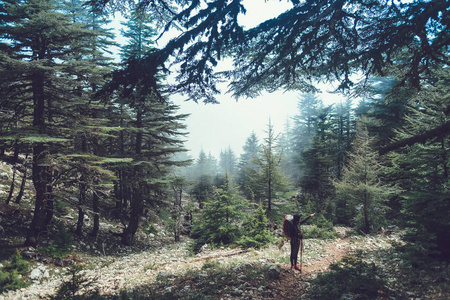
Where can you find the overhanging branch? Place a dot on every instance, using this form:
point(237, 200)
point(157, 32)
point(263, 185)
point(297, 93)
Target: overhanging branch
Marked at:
point(440, 131)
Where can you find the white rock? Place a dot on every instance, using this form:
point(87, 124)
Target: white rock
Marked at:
point(39, 273)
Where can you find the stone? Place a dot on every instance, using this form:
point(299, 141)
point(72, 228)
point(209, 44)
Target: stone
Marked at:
point(273, 271)
point(204, 248)
point(163, 275)
point(28, 254)
point(39, 273)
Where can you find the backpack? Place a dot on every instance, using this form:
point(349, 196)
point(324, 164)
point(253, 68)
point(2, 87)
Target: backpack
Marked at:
point(287, 223)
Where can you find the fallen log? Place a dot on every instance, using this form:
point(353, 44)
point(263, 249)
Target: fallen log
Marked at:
point(215, 256)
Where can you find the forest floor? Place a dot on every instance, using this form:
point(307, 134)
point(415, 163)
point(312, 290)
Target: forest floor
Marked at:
point(167, 270)
point(158, 268)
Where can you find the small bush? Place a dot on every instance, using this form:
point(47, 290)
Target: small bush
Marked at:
point(62, 244)
point(255, 231)
point(211, 264)
point(149, 228)
point(10, 275)
point(16, 262)
point(350, 278)
point(218, 221)
point(321, 229)
point(76, 282)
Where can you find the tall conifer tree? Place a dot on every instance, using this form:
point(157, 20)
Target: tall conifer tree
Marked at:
point(42, 45)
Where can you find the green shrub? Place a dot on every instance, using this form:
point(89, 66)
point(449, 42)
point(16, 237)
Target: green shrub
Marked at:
point(9, 275)
point(149, 228)
point(321, 229)
point(76, 282)
point(351, 278)
point(217, 224)
point(255, 232)
point(61, 246)
point(16, 262)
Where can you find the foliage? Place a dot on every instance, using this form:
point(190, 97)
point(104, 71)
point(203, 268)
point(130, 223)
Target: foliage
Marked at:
point(148, 228)
point(62, 243)
point(350, 278)
point(227, 161)
point(321, 228)
point(421, 169)
point(202, 189)
point(268, 179)
point(11, 275)
point(255, 231)
point(317, 161)
point(361, 191)
point(246, 167)
point(323, 40)
point(219, 219)
point(76, 282)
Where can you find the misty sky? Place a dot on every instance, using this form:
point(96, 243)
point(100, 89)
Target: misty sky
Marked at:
point(213, 127)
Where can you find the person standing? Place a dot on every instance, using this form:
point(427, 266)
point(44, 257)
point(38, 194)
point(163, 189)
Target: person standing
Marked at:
point(296, 236)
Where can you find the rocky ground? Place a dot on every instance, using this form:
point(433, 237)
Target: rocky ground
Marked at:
point(159, 268)
point(167, 269)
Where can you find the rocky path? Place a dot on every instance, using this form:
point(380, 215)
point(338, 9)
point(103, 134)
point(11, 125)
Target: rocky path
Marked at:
point(111, 274)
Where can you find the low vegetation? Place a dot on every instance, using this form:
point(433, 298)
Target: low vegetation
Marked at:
point(12, 275)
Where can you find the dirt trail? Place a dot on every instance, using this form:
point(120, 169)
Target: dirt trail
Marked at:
point(293, 283)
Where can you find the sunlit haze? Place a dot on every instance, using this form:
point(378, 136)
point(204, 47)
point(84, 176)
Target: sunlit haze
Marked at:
point(215, 127)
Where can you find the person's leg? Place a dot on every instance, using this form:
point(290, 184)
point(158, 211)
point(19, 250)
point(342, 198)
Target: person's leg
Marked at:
point(296, 248)
point(292, 252)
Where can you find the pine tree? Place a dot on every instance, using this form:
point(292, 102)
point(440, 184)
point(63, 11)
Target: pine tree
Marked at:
point(46, 50)
point(362, 194)
point(255, 230)
point(247, 167)
point(269, 176)
point(304, 128)
point(342, 128)
point(89, 123)
point(227, 161)
point(317, 163)
point(219, 219)
point(421, 169)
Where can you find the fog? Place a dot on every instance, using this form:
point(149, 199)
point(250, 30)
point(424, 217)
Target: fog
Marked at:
point(215, 127)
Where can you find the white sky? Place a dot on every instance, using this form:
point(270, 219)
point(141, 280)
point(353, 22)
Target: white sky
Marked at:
point(215, 127)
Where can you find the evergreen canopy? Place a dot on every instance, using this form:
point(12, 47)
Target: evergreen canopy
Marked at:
point(320, 39)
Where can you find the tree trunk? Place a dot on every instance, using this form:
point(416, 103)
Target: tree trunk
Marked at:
point(366, 213)
point(178, 216)
point(138, 145)
point(49, 200)
point(95, 208)
point(40, 173)
point(11, 189)
point(81, 202)
point(269, 197)
point(444, 158)
point(133, 224)
point(40, 185)
point(24, 180)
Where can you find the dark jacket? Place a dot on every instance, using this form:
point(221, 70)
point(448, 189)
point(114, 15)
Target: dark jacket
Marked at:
point(294, 229)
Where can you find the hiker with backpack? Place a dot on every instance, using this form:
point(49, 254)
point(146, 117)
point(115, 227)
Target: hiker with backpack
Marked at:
point(292, 230)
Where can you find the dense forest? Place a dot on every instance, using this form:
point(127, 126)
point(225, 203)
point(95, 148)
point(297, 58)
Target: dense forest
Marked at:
point(97, 136)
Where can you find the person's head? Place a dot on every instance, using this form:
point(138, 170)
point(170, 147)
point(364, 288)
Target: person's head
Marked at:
point(297, 218)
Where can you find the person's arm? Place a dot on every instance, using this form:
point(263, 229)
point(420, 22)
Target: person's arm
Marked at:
point(306, 219)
